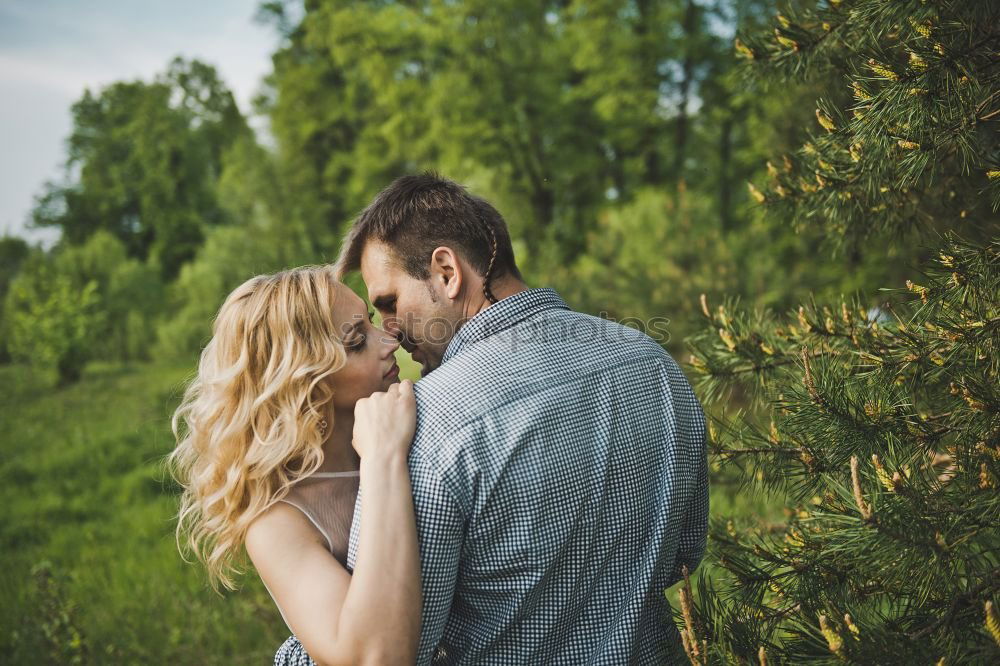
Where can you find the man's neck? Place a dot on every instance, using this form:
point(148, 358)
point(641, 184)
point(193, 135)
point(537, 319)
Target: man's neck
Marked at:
point(501, 289)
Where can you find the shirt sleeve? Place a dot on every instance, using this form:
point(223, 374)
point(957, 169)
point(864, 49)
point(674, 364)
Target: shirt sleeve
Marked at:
point(441, 532)
point(694, 529)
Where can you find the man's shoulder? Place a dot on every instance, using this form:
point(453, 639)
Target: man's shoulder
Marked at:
point(551, 347)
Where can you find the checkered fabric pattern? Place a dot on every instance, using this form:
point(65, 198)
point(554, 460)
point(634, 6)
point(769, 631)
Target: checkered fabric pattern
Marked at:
point(560, 481)
point(291, 653)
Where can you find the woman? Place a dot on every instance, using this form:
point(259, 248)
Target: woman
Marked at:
point(295, 398)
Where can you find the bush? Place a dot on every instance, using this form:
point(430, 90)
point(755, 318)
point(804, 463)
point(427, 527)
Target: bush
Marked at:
point(130, 294)
point(230, 256)
point(52, 320)
point(13, 252)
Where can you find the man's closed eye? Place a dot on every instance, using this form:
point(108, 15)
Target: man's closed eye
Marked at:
point(385, 304)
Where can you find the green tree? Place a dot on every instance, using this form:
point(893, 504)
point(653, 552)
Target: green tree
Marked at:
point(130, 295)
point(230, 255)
point(13, 252)
point(907, 139)
point(269, 229)
point(634, 270)
point(83, 302)
point(319, 117)
point(50, 319)
point(878, 425)
point(255, 192)
point(556, 109)
point(143, 158)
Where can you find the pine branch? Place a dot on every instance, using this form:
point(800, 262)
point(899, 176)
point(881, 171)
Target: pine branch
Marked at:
point(989, 585)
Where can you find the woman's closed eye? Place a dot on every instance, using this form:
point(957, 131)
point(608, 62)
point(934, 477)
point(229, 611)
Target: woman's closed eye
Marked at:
point(357, 342)
point(359, 335)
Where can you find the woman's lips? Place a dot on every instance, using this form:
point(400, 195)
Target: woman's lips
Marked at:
point(393, 372)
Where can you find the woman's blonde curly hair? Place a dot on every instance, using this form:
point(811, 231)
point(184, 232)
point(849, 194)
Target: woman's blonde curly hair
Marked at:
point(249, 425)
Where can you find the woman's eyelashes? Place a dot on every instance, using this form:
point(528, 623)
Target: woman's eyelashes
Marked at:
point(357, 343)
point(360, 337)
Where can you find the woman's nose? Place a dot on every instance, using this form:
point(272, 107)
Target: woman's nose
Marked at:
point(391, 342)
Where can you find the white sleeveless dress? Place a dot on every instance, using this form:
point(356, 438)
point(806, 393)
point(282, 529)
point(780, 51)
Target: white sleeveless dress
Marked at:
point(327, 500)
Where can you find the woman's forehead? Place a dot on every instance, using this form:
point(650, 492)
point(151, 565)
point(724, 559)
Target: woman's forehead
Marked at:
point(347, 302)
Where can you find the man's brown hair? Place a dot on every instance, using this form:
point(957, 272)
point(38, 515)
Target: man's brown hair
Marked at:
point(418, 213)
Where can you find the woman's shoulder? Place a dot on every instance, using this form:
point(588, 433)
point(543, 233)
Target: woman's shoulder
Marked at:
point(281, 527)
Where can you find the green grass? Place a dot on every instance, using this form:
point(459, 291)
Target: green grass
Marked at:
point(91, 573)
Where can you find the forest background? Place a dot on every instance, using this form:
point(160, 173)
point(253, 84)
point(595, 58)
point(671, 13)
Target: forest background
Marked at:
point(621, 140)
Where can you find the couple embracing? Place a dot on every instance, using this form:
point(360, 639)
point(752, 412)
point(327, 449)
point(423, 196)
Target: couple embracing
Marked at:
point(527, 501)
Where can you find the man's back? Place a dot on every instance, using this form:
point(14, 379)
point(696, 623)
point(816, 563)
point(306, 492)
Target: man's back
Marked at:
point(560, 481)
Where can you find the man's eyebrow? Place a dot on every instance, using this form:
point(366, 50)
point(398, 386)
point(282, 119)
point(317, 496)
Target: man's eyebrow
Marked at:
point(384, 302)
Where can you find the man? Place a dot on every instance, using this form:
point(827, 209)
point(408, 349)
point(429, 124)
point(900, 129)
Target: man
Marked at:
point(559, 464)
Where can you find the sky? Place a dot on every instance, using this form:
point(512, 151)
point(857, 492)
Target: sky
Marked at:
point(52, 50)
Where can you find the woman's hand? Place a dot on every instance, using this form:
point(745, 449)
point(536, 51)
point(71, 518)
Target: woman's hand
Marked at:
point(384, 422)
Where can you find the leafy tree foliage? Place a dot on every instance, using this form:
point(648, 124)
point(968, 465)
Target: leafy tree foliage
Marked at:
point(558, 108)
point(229, 256)
point(83, 302)
point(130, 295)
point(883, 429)
point(270, 229)
point(13, 252)
point(50, 319)
point(908, 133)
point(142, 161)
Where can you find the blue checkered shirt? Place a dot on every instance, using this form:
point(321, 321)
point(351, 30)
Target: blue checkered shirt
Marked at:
point(560, 481)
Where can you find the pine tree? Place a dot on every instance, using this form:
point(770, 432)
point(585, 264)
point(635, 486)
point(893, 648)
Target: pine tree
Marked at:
point(908, 132)
point(880, 425)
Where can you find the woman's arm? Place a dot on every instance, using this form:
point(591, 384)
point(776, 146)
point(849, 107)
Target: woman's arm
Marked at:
point(374, 616)
point(387, 568)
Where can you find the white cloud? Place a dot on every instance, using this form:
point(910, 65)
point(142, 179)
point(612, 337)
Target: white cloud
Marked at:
point(22, 70)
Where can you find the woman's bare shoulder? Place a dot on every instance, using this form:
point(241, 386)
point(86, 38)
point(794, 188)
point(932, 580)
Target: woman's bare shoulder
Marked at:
point(280, 528)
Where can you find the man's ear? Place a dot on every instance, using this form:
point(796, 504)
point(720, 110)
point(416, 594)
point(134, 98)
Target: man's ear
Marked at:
point(446, 271)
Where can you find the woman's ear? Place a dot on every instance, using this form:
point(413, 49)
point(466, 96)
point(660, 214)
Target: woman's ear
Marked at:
point(446, 271)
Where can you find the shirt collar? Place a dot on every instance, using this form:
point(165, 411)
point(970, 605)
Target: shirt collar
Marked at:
point(502, 315)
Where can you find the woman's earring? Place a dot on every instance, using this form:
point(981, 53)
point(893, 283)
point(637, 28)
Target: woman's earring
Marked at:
point(322, 427)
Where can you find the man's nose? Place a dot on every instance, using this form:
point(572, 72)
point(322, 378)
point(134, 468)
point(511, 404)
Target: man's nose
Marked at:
point(390, 343)
point(391, 326)
point(404, 340)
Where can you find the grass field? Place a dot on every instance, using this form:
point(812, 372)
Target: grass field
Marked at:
point(87, 539)
point(91, 573)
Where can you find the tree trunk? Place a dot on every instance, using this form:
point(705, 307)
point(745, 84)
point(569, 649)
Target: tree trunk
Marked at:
point(725, 183)
point(681, 139)
point(650, 80)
